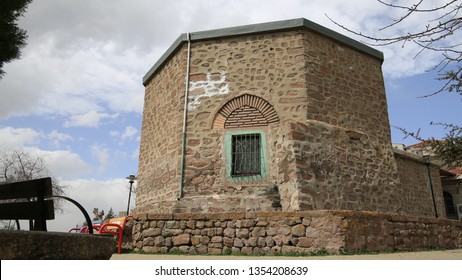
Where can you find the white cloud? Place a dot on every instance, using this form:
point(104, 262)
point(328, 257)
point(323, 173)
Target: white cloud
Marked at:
point(89, 119)
point(62, 163)
point(57, 137)
point(136, 153)
point(14, 137)
point(129, 132)
point(93, 61)
point(101, 153)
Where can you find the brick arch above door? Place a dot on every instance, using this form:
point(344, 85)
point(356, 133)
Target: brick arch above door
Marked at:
point(245, 111)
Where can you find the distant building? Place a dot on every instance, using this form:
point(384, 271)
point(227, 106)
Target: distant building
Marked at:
point(451, 178)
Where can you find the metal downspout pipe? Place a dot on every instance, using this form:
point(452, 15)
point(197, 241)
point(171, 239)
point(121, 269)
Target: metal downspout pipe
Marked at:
point(183, 142)
point(427, 163)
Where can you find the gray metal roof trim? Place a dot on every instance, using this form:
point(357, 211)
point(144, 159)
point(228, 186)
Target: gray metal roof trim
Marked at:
point(261, 28)
point(170, 51)
point(343, 39)
point(247, 29)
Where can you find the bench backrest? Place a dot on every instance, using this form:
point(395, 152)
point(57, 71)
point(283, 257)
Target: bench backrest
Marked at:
point(118, 221)
point(32, 205)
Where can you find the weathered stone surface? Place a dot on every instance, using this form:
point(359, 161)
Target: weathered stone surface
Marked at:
point(214, 251)
point(148, 241)
point(238, 243)
point(159, 241)
point(229, 232)
point(247, 250)
point(327, 230)
point(184, 249)
point(216, 239)
point(195, 240)
point(298, 230)
point(151, 232)
point(182, 239)
point(259, 231)
point(247, 223)
point(278, 229)
point(216, 245)
point(37, 245)
point(305, 242)
point(242, 233)
point(228, 242)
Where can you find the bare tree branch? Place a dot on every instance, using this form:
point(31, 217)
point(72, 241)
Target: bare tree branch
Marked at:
point(440, 35)
point(19, 165)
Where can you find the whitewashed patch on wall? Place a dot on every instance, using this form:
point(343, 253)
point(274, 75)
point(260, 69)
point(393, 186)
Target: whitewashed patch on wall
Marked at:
point(210, 87)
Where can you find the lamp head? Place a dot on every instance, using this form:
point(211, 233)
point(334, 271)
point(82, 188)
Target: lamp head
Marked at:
point(131, 179)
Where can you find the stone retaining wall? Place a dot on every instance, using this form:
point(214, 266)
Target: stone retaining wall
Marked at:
point(41, 245)
point(288, 232)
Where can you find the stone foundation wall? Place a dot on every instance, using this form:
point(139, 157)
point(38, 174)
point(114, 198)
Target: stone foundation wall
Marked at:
point(288, 232)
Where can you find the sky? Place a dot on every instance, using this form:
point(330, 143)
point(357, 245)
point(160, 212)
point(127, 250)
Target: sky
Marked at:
point(75, 97)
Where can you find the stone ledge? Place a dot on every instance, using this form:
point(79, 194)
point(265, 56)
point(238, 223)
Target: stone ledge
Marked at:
point(39, 245)
point(188, 216)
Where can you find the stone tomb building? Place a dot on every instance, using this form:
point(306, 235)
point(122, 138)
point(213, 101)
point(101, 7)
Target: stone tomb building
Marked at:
point(282, 116)
point(279, 119)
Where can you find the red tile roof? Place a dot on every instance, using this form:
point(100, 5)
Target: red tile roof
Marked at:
point(423, 143)
point(456, 170)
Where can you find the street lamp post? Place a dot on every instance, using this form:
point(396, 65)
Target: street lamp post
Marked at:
point(131, 179)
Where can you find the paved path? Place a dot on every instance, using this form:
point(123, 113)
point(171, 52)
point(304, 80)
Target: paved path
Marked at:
point(426, 255)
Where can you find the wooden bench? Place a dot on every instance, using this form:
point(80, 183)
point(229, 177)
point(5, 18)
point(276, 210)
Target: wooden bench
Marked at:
point(26, 201)
point(32, 200)
point(115, 226)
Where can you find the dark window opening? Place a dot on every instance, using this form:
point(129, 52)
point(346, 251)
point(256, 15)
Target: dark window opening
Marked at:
point(246, 157)
point(448, 202)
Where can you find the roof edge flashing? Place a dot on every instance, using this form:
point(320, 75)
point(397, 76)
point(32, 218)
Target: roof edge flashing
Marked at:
point(163, 59)
point(275, 26)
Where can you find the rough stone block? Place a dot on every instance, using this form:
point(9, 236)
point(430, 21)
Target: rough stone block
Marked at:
point(160, 216)
point(151, 232)
point(242, 233)
point(298, 230)
point(214, 251)
point(229, 232)
point(238, 243)
point(182, 239)
point(228, 242)
point(259, 232)
point(246, 223)
point(305, 242)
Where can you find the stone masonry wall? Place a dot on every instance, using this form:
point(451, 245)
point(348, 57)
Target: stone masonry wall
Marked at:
point(329, 148)
point(338, 168)
point(288, 232)
point(415, 197)
point(160, 145)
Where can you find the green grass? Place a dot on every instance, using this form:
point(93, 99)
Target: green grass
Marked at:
point(320, 253)
point(345, 251)
point(229, 252)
